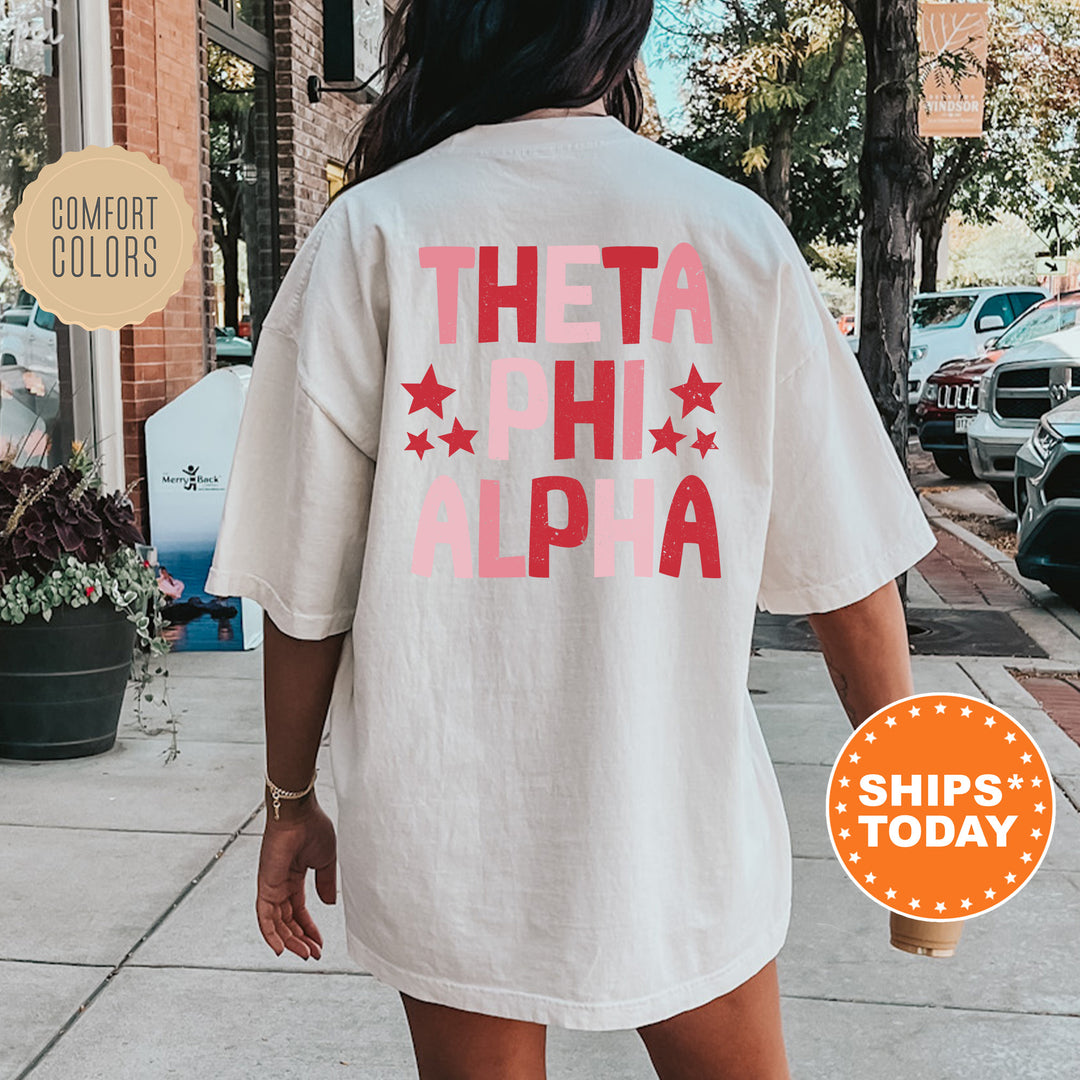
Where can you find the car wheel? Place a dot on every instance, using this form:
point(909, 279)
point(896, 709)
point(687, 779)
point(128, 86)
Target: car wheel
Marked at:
point(1006, 492)
point(1067, 588)
point(954, 463)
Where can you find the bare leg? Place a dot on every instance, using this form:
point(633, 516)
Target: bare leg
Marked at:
point(453, 1044)
point(734, 1037)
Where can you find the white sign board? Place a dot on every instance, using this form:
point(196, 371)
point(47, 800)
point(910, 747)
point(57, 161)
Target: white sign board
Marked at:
point(368, 19)
point(190, 442)
point(1051, 265)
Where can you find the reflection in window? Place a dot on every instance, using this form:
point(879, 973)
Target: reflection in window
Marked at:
point(35, 376)
point(241, 194)
point(252, 12)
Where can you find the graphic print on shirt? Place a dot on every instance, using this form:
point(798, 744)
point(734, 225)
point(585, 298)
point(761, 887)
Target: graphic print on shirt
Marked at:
point(554, 412)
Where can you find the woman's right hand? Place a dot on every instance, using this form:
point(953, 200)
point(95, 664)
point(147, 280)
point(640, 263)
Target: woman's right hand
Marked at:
point(302, 839)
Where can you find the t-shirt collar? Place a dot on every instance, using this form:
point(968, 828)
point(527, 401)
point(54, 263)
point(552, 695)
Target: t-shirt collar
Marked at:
point(575, 129)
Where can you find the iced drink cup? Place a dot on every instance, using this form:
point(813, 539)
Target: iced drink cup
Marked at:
point(925, 937)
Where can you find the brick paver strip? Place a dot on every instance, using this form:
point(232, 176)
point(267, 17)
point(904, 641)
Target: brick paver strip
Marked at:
point(960, 575)
point(1060, 698)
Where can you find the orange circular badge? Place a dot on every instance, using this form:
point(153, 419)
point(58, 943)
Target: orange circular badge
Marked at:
point(940, 806)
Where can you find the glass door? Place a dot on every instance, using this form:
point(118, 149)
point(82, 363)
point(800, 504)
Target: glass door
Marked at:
point(36, 385)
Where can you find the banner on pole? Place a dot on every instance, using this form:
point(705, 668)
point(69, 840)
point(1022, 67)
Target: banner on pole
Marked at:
point(952, 46)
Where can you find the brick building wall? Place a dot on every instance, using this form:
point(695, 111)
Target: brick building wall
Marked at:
point(309, 135)
point(157, 107)
point(160, 107)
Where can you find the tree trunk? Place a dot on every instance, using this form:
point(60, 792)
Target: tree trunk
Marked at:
point(893, 177)
point(230, 264)
point(931, 228)
point(776, 180)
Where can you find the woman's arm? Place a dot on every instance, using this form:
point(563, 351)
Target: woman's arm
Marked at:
point(866, 651)
point(298, 676)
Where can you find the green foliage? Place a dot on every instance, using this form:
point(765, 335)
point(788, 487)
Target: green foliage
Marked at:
point(774, 100)
point(1003, 251)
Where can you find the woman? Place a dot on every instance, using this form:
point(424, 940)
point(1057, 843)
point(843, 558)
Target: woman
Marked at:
point(540, 411)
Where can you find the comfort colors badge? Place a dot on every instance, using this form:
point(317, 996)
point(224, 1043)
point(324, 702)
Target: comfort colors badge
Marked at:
point(103, 237)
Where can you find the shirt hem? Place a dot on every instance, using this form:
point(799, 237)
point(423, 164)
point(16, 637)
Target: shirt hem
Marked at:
point(560, 1012)
point(292, 623)
point(853, 587)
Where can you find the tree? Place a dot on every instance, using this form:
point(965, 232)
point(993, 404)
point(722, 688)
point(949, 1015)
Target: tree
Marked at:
point(1032, 108)
point(772, 101)
point(894, 178)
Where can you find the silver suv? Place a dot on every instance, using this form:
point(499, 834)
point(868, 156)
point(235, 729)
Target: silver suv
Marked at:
point(1013, 395)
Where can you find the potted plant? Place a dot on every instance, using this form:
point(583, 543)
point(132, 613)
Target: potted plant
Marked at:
point(79, 603)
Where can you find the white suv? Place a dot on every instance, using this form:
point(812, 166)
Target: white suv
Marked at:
point(956, 325)
point(1013, 394)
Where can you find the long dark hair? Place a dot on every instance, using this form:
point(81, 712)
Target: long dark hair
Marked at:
point(450, 64)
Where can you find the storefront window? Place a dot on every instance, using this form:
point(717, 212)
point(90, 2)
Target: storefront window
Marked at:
point(36, 384)
point(241, 172)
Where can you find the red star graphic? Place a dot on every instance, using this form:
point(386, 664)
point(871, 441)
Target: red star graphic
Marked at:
point(459, 438)
point(706, 441)
point(695, 391)
point(419, 443)
point(428, 393)
point(667, 438)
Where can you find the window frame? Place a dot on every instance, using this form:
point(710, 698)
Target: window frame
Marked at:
point(226, 30)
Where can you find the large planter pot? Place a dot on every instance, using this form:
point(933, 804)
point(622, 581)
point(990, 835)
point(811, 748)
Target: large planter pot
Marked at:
point(62, 682)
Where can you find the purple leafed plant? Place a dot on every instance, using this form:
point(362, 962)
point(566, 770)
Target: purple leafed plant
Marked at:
point(46, 514)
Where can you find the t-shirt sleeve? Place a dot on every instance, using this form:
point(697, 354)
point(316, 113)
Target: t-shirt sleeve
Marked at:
point(843, 517)
point(294, 525)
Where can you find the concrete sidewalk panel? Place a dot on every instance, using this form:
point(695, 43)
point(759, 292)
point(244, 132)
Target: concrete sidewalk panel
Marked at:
point(85, 896)
point(209, 788)
point(220, 709)
point(834, 1040)
point(215, 926)
point(38, 1000)
point(1021, 957)
point(795, 678)
point(941, 674)
point(236, 1025)
point(803, 733)
point(804, 788)
point(216, 664)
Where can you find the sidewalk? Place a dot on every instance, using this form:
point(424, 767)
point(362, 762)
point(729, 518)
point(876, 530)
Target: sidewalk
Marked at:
point(129, 949)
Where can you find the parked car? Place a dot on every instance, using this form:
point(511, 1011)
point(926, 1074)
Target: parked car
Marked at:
point(230, 347)
point(1048, 501)
point(949, 399)
point(956, 325)
point(28, 338)
point(1013, 395)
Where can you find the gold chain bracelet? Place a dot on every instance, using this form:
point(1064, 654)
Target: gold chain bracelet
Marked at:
point(280, 793)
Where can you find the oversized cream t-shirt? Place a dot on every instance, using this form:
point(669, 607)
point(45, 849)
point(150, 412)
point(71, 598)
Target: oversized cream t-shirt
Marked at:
point(539, 417)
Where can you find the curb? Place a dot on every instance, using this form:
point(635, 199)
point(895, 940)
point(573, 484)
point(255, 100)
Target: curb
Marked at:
point(1039, 595)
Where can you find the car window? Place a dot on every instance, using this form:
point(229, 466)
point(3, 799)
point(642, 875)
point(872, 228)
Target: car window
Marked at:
point(997, 305)
point(1037, 322)
point(1021, 301)
point(941, 312)
point(45, 320)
